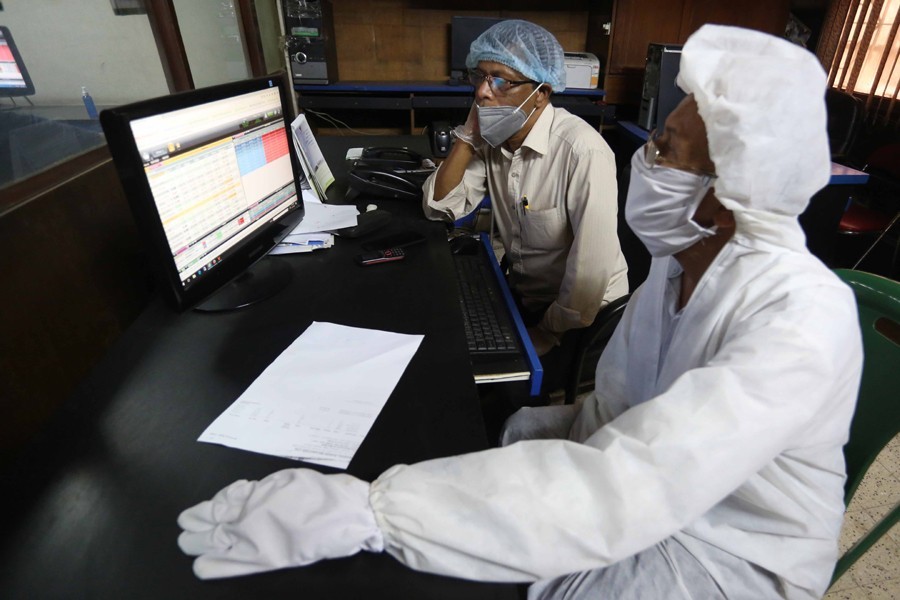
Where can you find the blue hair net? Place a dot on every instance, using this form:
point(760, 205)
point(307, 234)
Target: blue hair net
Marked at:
point(525, 47)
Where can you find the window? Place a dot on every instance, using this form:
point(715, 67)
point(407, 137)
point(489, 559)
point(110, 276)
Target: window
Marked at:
point(860, 46)
point(114, 52)
point(68, 48)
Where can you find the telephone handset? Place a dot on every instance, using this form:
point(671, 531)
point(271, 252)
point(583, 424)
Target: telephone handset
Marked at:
point(396, 158)
point(388, 173)
point(383, 184)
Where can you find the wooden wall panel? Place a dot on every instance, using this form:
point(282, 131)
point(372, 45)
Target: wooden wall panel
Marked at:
point(400, 40)
point(73, 280)
point(637, 23)
point(405, 40)
point(770, 16)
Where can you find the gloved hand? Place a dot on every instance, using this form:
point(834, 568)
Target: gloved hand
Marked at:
point(469, 131)
point(290, 518)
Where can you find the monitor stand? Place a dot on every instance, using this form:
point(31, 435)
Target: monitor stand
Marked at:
point(15, 106)
point(263, 280)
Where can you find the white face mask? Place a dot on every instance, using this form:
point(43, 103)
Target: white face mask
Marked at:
point(499, 123)
point(660, 206)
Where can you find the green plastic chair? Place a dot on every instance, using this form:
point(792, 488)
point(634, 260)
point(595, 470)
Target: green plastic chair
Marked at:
point(877, 417)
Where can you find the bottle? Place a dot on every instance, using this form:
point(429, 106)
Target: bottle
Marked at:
point(88, 103)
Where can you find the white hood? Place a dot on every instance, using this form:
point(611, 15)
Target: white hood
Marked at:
point(762, 100)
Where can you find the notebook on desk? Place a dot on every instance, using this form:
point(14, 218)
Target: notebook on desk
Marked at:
point(499, 346)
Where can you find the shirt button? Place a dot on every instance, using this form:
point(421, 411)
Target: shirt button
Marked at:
point(515, 175)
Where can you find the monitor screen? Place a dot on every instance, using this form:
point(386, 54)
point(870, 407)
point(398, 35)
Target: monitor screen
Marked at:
point(463, 31)
point(212, 184)
point(14, 79)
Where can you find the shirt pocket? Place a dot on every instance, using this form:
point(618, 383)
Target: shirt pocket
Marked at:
point(542, 229)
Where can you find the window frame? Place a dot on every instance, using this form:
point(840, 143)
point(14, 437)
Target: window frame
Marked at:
point(845, 39)
point(164, 25)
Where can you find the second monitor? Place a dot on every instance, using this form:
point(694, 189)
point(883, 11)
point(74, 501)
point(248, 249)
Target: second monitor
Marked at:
point(14, 79)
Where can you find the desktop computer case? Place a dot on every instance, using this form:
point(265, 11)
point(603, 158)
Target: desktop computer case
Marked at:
point(660, 95)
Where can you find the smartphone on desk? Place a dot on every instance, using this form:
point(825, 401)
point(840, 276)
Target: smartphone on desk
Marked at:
point(402, 239)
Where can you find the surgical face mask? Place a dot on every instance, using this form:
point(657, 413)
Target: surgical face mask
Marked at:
point(660, 205)
point(499, 123)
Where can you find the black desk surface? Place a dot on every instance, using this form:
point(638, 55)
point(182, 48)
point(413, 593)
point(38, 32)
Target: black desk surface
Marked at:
point(92, 504)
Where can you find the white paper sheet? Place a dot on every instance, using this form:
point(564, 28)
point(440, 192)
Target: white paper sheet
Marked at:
point(317, 401)
point(310, 197)
point(326, 217)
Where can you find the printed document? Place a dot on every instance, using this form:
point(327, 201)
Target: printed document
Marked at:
point(317, 401)
point(326, 217)
point(311, 158)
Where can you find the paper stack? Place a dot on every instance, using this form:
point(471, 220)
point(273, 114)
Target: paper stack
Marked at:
point(313, 231)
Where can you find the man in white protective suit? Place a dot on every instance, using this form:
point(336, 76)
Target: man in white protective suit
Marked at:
point(708, 462)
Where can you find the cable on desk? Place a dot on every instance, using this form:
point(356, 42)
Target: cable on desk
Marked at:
point(335, 122)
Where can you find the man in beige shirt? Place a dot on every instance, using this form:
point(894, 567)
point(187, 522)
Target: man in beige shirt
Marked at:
point(552, 184)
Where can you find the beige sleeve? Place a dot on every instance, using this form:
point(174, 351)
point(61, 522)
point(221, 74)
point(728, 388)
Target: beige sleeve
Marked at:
point(595, 271)
point(462, 200)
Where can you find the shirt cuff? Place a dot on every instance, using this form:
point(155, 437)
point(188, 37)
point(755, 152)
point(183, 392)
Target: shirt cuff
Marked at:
point(559, 319)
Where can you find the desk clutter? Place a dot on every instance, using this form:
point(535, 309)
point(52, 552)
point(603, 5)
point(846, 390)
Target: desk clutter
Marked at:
point(316, 230)
point(323, 221)
point(380, 172)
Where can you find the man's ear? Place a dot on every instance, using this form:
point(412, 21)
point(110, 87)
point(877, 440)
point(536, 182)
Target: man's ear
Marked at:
point(542, 96)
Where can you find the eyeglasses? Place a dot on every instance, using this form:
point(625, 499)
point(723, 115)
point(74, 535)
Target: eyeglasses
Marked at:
point(499, 85)
point(653, 157)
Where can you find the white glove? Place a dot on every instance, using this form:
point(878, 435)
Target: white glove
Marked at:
point(469, 131)
point(292, 517)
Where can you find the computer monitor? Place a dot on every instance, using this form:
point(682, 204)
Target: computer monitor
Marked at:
point(14, 79)
point(213, 187)
point(463, 31)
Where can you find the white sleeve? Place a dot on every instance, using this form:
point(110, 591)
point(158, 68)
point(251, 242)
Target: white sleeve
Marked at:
point(462, 199)
point(539, 509)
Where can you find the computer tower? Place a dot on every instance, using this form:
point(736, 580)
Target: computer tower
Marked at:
point(660, 95)
point(309, 37)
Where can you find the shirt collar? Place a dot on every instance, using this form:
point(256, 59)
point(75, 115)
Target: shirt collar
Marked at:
point(538, 139)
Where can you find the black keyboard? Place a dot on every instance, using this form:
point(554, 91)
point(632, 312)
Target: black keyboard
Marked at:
point(489, 328)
